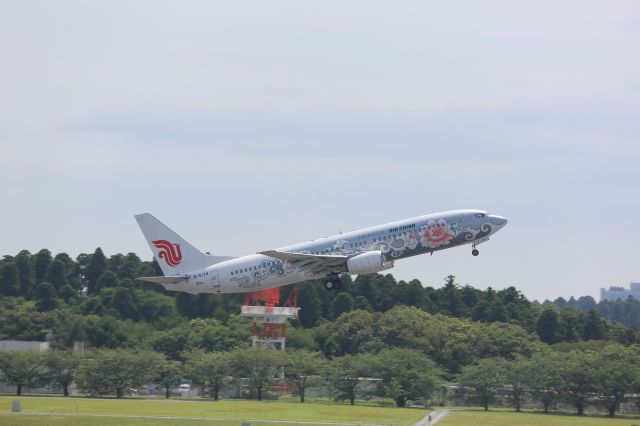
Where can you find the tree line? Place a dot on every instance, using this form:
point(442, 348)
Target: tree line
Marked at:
point(600, 376)
point(40, 291)
point(404, 374)
point(625, 311)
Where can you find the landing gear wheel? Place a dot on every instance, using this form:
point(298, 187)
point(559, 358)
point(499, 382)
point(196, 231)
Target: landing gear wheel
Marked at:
point(475, 252)
point(337, 285)
point(332, 282)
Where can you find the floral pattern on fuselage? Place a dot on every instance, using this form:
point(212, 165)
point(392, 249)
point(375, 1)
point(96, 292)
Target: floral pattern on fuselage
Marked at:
point(436, 233)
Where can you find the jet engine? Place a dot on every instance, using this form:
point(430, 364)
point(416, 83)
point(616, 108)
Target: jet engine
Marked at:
point(368, 263)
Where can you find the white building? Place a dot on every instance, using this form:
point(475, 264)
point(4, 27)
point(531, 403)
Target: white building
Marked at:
point(23, 346)
point(615, 292)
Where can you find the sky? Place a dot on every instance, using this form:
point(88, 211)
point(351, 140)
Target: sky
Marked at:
point(247, 126)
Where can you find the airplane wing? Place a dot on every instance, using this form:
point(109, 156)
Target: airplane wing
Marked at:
point(163, 280)
point(312, 263)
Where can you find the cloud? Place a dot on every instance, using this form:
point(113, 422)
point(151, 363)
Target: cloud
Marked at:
point(453, 133)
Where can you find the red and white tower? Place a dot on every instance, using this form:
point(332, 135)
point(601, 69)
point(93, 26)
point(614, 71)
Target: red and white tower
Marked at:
point(269, 326)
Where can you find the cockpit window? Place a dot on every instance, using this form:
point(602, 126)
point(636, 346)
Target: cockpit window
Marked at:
point(480, 215)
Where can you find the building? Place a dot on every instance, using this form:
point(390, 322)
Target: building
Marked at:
point(23, 346)
point(616, 292)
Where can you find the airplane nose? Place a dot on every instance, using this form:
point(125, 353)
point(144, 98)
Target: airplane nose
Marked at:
point(499, 220)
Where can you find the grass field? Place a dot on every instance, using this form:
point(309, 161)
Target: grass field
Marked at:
point(144, 412)
point(510, 418)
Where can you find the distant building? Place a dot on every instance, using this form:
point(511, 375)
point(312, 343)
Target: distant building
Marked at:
point(615, 292)
point(23, 346)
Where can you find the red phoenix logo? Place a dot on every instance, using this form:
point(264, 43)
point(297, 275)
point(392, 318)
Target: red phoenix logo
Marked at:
point(169, 252)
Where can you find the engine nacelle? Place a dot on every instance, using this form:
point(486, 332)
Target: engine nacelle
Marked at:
point(368, 263)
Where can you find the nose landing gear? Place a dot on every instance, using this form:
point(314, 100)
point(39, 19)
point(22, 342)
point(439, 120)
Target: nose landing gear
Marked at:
point(475, 251)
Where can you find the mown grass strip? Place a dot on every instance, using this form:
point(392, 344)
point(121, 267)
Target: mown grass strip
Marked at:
point(226, 410)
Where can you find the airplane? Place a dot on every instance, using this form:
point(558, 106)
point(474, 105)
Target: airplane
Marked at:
point(363, 251)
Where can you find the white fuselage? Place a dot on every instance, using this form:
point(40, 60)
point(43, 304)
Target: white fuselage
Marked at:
point(395, 240)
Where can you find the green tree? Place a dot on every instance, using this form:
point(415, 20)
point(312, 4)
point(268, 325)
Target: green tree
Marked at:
point(214, 335)
point(71, 269)
point(481, 311)
point(548, 326)
point(483, 380)
point(577, 374)
point(45, 297)
point(515, 377)
point(346, 373)
point(595, 327)
point(360, 302)
point(129, 269)
point(409, 294)
point(115, 262)
point(310, 306)
point(96, 267)
point(107, 280)
point(616, 375)
point(302, 338)
point(211, 370)
point(123, 300)
point(112, 371)
point(407, 375)
point(571, 325)
point(169, 373)
point(61, 367)
point(26, 275)
point(82, 262)
point(173, 342)
point(67, 293)
point(210, 335)
point(41, 264)
point(9, 279)
point(354, 332)
point(22, 369)
point(496, 312)
point(450, 298)
point(541, 377)
point(106, 332)
point(259, 365)
point(342, 303)
point(304, 368)
point(154, 307)
point(57, 274)
point(405, 326)
point(376, 288)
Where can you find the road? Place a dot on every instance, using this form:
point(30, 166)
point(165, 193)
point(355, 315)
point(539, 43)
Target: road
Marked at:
point(432, 418)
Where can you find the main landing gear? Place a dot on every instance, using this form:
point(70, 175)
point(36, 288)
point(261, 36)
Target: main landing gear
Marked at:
point(332, 282)
point(475, 251)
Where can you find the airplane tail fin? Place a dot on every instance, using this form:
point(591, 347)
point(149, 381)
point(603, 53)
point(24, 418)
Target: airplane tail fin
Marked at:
point(173, 253)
